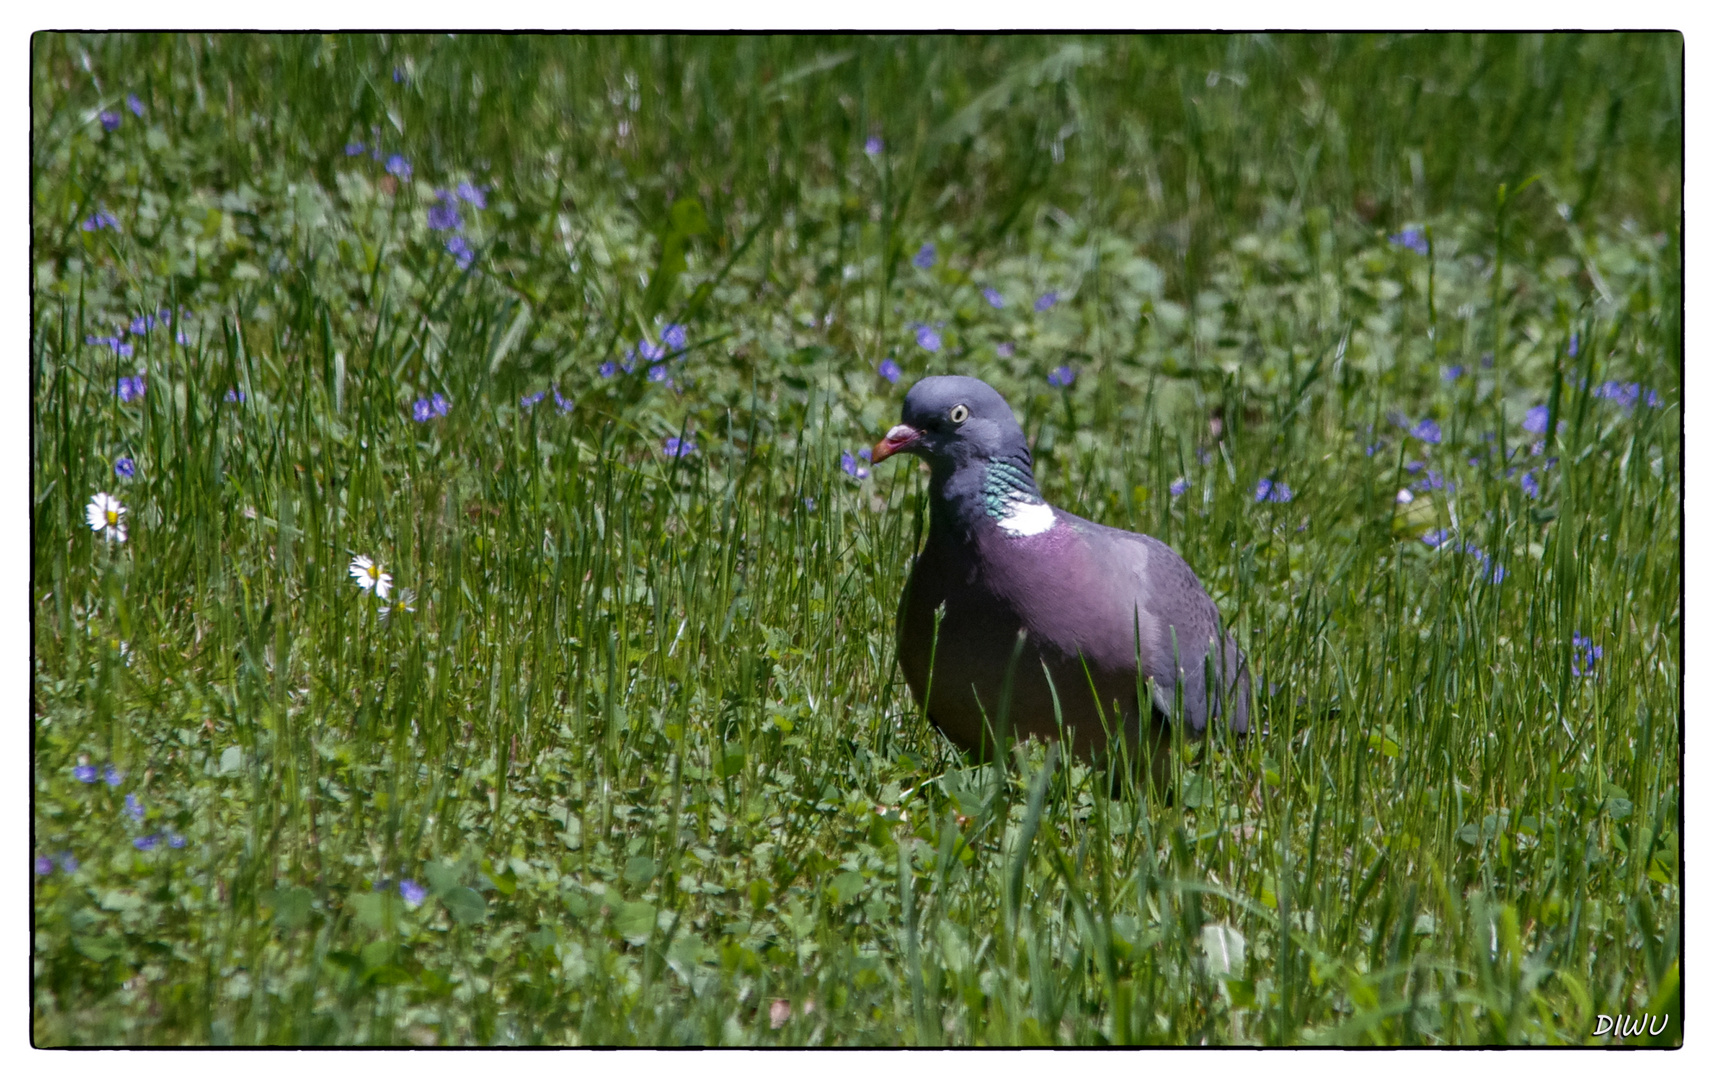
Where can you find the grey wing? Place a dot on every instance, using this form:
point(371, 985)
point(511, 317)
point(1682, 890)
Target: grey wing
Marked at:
point(1180, 623)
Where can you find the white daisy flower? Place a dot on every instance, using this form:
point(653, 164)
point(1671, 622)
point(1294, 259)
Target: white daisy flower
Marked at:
point(407, 600)
point(105, 513)
point(367, 573)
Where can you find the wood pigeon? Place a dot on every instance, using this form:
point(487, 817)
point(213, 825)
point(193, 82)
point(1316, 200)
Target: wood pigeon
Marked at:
point(1098, 618)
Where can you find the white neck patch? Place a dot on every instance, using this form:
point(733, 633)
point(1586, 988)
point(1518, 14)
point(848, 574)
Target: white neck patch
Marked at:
point(1027, 518)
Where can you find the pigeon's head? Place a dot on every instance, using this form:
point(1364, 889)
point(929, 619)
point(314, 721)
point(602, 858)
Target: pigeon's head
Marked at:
point(949, 420)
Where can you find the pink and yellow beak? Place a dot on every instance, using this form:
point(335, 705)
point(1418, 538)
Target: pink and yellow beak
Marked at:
point(901, 437)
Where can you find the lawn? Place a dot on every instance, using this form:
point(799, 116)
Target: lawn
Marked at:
point(578, 340)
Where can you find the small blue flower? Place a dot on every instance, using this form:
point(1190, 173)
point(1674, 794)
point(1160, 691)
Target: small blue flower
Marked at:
point(928, 338)
point(809, 503)
point(1435, 538)
point(1414, 467)
point(673, 335)
point(529, 400)
point(101, 219)
point(1427, 430)
point(1046, 300)
point(873, 146)
point(650, 351)
point(677, 448)
point(459, 249)
point(1179, 487)
point(607, 369)
point(564, 404)
point(352, 149)
point(865, 453)
point(413, 893)
point(1453, 373)
point(848, 462)
point(1269, 490)
point(658, 373)
point(142, 324)
point(924, 257)
point(125, 467)
point(182, 338)
point(174, 840)
point(131, 387)
point(889, 370)
point(110, 120)
point(1371, 449)
point(44, 865)
point(473, 195)
point(234, 394)
point(1413, 238)
point(112, 775)
point(1433, 481)
point(146, 843)
point(135, 103)
point(443, 215)
point(398, 74)
point(1529, 484)
point(426, 409)
point(1005, 350)
point(85, 774)
point(1061, 376)
point(1572, 349)
point(399, 167)
point(1536, 419)
point(1584, 653)
point(992, 295)
point(1494, 573)
point(68, 862)
point(134, 806)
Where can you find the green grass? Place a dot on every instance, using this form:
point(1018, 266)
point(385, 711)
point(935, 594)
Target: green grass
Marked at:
point(640, 734)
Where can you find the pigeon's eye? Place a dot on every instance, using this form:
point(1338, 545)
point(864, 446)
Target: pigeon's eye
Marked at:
point(959, 414)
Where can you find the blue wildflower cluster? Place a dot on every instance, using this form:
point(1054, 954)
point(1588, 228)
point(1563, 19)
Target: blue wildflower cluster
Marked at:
point(1271, 490)
point(1413, 239)
point(101, 219)
point(67, 862)
point(1627, 394)
point(110, 120)
point(1584, 653)
point(425, 409)
point(1046, 300)
point(412, 893)
point(124, 468)
point(888, 369)
point(444, 216)
point(924, 258)
point(1061, 377)
point(530, 400)
point(118, 344)
point(928, 337)
point(1428, 431)
point(1179, 487)
point(849, 462)
point(131, 387)
point(992, 295)
point(675, 447)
